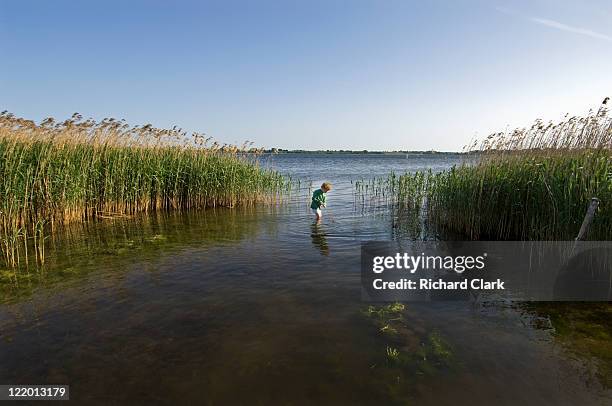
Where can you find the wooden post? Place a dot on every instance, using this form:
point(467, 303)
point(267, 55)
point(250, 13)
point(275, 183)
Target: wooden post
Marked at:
point(588, 219)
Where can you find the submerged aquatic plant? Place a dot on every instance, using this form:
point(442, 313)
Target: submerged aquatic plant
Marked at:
point(393, 354)
point(388, 329)
point(583, 329)
point(392, 311)
point(438, 347)
point(82, 248)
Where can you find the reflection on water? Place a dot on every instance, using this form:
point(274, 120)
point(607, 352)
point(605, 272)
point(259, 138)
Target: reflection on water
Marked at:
point(319, 238)
point(263, 306)
point(116, 243)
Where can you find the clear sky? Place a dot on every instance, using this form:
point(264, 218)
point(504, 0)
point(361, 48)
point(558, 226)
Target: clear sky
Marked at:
point(378, 75)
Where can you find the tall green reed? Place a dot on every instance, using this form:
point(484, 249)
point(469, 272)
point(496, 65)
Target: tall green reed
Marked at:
point(78, 170)
point(528, 184)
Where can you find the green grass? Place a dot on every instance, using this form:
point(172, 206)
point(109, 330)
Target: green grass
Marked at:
point(54, 173)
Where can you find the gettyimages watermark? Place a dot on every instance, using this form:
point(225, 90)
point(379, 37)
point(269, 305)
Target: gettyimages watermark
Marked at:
point(458, 270)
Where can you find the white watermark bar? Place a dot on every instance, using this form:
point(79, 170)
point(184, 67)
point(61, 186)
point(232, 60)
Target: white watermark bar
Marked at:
point(463, 270)
point(34, 392)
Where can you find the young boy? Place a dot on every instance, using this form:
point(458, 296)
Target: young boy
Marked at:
point(318, 199)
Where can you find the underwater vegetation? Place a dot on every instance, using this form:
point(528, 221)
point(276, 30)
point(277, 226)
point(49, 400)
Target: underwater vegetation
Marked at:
point(423, 352)
point(408, 353)
point(583, 329)
point(84, 248)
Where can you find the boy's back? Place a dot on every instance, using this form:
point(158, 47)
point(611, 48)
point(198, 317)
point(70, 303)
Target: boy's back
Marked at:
point(318, 199)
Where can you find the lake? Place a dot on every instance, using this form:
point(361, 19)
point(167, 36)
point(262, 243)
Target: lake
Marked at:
point(263, 306)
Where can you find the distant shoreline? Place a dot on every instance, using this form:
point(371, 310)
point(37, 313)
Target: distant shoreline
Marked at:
point(361, 152)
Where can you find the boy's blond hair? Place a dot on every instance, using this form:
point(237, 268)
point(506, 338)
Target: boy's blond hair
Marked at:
point(326, 186)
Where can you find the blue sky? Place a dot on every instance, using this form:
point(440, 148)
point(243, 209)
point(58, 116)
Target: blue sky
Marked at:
point(378, 75)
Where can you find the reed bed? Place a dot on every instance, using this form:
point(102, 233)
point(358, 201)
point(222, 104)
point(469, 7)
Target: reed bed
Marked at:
point(402, 195)
point(79, 170)
point(528, 184)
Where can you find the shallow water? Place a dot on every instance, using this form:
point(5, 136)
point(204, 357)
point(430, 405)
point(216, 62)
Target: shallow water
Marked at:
point(263, 306)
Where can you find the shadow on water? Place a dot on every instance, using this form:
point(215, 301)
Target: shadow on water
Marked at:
point(263, 306)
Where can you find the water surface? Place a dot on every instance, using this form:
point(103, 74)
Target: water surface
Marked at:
point(262, 306)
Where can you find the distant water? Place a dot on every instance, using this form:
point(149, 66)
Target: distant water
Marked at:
point(262, 306)
point(346, 219)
